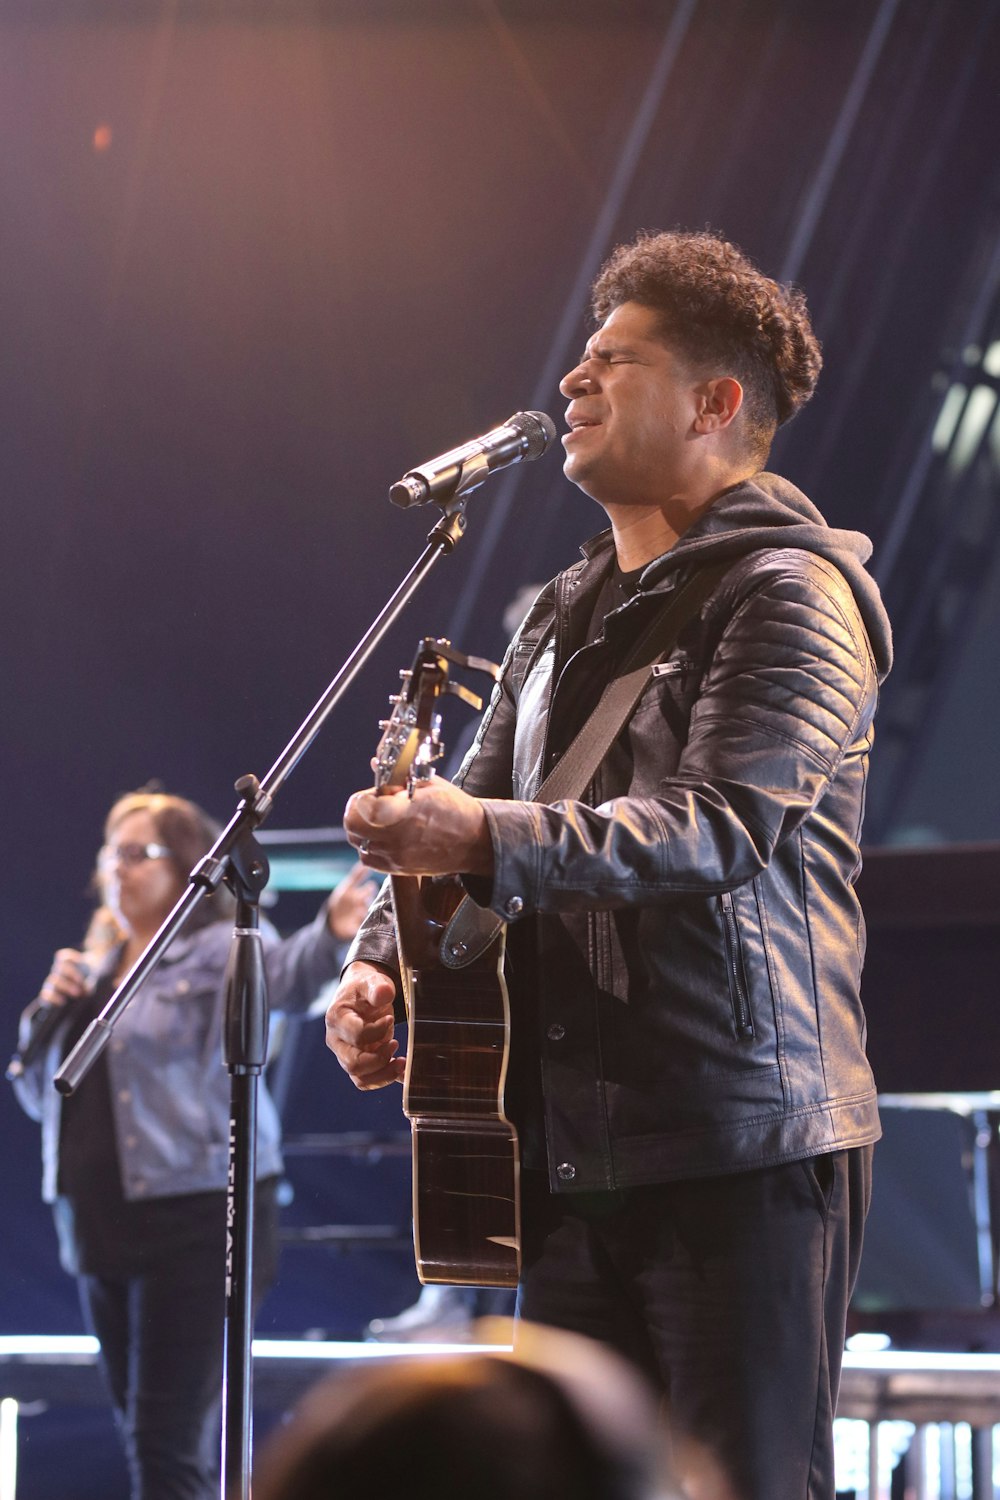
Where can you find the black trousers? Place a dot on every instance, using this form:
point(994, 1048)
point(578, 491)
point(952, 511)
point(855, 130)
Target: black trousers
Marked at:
point(161, 1336)
point(731, 1294)
point(161, 1330)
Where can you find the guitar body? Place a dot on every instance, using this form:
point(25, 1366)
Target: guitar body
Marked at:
point(466, 1228)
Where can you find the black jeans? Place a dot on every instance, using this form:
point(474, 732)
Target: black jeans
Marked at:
point(731, 1295)
point(161, 1332)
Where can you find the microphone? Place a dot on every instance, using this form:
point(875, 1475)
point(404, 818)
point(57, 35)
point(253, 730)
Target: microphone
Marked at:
point(525, 435)
point(47, 1020)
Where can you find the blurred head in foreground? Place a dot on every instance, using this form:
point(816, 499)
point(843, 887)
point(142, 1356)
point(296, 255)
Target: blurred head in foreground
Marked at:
point(559, 1419)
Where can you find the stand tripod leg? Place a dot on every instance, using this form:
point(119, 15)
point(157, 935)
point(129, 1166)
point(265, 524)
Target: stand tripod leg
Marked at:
point(237, 1416)
point(244, 1050)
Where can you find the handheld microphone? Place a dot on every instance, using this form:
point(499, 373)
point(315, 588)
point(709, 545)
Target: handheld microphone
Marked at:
point(47, 1020)
point(525, 435)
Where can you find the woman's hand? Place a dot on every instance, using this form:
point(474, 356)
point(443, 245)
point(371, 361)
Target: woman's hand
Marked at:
point(349, 901)
point(68, 979)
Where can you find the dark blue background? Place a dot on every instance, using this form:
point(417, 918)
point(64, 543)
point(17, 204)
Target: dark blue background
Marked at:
point(322, 242)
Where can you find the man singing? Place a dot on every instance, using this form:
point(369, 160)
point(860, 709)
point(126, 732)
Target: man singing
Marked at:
point(688, 1072)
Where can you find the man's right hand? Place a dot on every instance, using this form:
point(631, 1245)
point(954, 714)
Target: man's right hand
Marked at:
point(359, 1027)
point(68, 979)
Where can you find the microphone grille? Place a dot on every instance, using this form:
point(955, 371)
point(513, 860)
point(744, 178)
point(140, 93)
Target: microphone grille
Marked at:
point(537, 428)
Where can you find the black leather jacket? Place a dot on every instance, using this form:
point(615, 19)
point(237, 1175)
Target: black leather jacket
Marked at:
point(687, 944)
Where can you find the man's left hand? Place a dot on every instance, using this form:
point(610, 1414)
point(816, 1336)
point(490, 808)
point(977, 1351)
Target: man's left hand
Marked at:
point(440, 830)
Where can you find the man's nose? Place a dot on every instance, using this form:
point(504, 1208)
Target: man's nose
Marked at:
point(575, 381)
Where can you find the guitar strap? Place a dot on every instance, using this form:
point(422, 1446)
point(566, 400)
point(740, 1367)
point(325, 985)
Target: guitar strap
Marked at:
point(473, 928)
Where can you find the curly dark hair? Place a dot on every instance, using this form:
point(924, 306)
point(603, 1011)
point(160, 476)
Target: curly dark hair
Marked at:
point(717, 309)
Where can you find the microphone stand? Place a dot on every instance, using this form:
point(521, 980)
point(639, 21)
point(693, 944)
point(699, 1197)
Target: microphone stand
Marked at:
point(238, 859)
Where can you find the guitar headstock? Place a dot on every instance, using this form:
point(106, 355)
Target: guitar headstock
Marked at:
point(411, 743)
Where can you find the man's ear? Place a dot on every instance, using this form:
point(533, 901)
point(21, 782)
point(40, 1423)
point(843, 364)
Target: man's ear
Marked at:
point(719, 401)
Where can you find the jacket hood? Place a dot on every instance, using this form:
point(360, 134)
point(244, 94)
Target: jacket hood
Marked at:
point(769, 512)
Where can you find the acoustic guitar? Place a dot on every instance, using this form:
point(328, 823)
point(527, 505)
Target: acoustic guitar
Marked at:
point(465, 1151)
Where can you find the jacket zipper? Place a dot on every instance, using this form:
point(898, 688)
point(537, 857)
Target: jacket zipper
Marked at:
point(737, 973)
point(673, 668)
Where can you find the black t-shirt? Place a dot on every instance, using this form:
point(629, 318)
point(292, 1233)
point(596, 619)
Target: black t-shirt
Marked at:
point(88, 1152)
point(616, 590)
point(525, 1091)
point(101, 1232)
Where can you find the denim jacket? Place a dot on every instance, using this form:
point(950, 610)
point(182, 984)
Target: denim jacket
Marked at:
point(169, 1088)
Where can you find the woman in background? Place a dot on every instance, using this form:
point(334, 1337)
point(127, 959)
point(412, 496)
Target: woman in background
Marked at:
point(135, 1161)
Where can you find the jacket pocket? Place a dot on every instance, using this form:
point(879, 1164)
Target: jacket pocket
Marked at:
point(739, 993)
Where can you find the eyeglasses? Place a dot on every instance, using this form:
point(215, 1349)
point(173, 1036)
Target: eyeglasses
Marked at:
point(131, 854)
